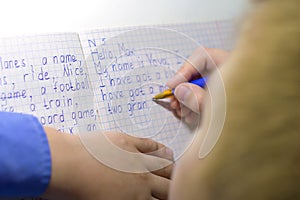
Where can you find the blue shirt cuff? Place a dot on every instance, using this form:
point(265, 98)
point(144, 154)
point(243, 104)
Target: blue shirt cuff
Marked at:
point(25, 160)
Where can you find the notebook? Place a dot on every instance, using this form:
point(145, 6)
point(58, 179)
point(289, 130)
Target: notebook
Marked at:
point(104, 79)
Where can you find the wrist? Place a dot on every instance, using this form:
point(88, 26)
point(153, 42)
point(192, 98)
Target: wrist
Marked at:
point(64, 149)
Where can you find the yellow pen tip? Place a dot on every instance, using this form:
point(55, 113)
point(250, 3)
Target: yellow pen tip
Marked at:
point(163, 95)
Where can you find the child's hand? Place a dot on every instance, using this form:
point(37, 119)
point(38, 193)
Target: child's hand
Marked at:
point(76, 174)
point(189, 97)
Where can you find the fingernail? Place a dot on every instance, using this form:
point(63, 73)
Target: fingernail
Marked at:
point(182, 92)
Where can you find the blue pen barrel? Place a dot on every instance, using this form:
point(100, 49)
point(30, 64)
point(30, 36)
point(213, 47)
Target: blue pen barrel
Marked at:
point(200, 82)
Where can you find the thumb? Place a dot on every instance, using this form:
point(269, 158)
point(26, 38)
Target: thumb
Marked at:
point(190, 95)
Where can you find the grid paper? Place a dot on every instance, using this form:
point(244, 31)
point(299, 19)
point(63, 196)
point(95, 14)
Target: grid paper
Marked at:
point(43, 75)
point(96, 81)
point(125, 103)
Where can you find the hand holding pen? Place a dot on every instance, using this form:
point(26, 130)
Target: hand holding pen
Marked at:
point(201, 82)
point(189, 96)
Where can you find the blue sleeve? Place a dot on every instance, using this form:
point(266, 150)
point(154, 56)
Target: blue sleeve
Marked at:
point(25, 160)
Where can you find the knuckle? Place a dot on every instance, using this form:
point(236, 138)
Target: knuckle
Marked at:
point(149, 144)
point(164, 172)
point(144, 177)
point(123, 142)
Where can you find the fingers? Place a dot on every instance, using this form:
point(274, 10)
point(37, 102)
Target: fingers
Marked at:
point(165, 172)
point(216, 57)
point(201, 62)
point(190, 95)
point(148, 146)
point(191, 69)
point(180, 109)
point(160, 187)
point(184, 74)
point(159, 163)
point(207, 59)
point(192, 119)
point(158, 166)
point(184, 113)
point(175, 104)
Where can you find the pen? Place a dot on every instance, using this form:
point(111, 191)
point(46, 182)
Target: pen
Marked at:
point(168, 93)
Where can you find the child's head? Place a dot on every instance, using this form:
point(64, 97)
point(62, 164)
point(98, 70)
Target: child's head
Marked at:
point(258, 153)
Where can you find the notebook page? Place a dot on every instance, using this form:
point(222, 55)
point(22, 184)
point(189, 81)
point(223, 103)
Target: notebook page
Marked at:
point(128, 66)
point(42, 75)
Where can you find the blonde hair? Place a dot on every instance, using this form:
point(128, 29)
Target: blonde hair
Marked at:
point(258, 154)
